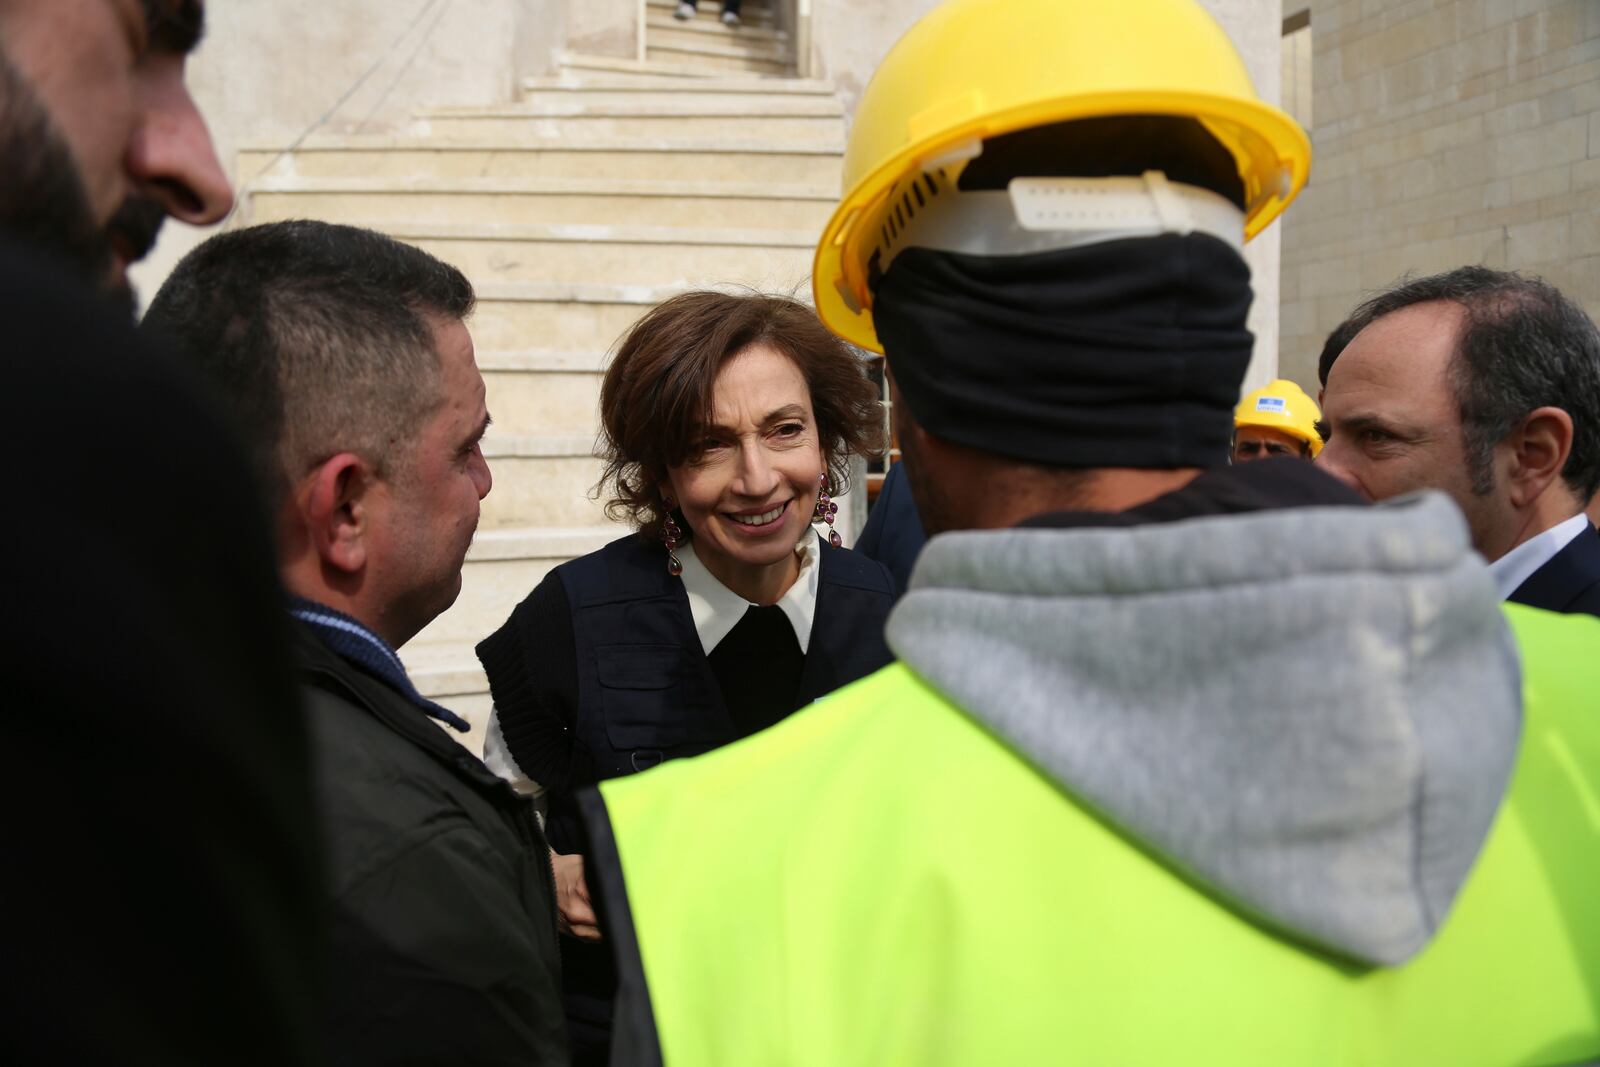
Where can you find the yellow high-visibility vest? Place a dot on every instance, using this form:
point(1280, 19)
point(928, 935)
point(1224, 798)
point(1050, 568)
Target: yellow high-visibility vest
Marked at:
point(878, 880)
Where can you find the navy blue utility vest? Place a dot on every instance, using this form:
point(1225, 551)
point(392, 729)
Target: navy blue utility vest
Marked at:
point(646, 692)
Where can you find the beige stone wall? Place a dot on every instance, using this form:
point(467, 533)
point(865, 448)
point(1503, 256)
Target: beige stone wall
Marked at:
point(1256, 27)
point(597, 27)
point(1447, 132)
point(272, 71)
point(848, 38)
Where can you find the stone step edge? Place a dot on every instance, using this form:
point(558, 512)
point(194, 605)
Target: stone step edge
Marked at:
point(709, 15)
point(590, 143)
point(714, 29)
point(546, 186)
point(823, 108)
point(543, 361)
point(711, 12)
point(751, 53)
point(540, 542)
point(575, 61)
point(588, 292)
point(742, 84)
point(710, 9)
point(602, 233)
point(539, 446)
point(460, 676)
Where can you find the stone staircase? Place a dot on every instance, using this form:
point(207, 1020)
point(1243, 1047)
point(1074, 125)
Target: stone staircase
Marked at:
point(606, 188)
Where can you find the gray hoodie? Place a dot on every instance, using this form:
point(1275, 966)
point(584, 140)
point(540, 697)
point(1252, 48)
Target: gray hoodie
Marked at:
point(1313, 713)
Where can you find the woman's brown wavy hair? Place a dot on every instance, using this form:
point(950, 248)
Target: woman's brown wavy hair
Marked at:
point(658, 390)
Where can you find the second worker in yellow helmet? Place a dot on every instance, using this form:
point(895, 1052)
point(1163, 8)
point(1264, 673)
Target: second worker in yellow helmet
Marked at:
point(1278, 419)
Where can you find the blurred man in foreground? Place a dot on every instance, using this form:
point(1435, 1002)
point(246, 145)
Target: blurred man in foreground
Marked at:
point(162, 901)
point(101, 139)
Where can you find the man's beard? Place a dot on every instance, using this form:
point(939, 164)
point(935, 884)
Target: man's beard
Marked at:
point(43, 201)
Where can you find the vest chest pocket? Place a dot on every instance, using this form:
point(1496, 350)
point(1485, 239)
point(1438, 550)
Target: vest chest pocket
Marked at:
point(645, 701)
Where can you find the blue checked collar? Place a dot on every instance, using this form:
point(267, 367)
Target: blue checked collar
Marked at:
point(356, 644)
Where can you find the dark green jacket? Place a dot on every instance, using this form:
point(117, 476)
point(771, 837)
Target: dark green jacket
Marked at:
point(444, 935)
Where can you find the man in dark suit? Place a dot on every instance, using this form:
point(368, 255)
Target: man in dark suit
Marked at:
point(161, 902)
point(1570, 581)
point(1484, 384)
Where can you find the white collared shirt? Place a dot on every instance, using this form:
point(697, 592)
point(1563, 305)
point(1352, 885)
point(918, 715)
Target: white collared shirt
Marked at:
point(716, 610)
point(1518, 565)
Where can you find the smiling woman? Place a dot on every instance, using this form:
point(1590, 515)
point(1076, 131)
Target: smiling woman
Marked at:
point(751, 404)
point(729, 421)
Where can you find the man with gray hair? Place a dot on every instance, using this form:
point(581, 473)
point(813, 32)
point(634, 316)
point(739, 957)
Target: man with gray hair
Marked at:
point(344, 360)
point(1485, 384)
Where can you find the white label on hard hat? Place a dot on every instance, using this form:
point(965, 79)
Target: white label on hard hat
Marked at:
point(1134, 207)
point(1275, 405)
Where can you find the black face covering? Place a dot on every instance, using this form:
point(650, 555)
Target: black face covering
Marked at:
point(1122, 354)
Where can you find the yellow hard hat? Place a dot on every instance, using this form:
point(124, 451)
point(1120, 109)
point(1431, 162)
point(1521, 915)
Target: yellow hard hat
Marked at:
point(1282, 405)
point(976, 69)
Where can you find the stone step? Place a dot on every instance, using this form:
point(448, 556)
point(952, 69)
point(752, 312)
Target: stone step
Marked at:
point(442, 670)
point(691, 160)
point(382, 202)
point(619, 255)
point(572, 62)
point(661, 29)
point(515, 315)
point(541, 491)
point(596, 84)
point(731, 47)
point(648, 104)
point(804, 120)
point(691, 92)
point(710, 11)
point(716, 61)
point(543, 360)
point(563, 315)
point(498, 445)
point(551, 403)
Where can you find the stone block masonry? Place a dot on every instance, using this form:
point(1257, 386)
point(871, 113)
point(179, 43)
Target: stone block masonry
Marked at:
point(1447, 132)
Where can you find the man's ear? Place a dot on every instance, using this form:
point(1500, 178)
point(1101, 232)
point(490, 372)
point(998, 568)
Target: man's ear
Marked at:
point(334, 501)
point(1537, 448)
